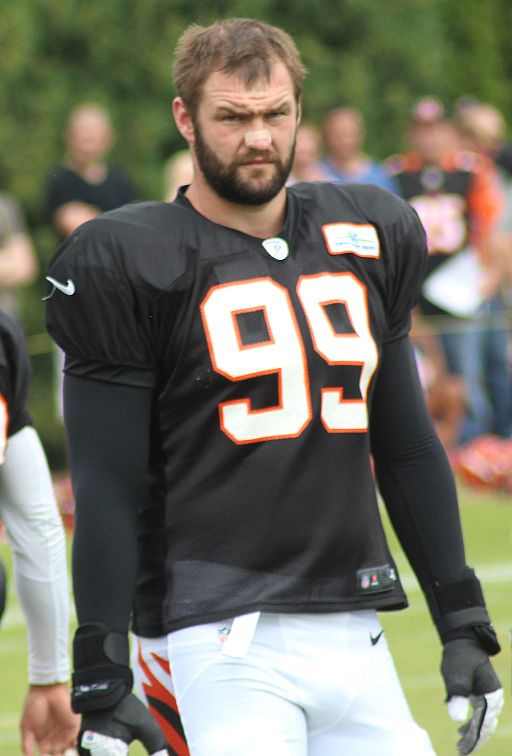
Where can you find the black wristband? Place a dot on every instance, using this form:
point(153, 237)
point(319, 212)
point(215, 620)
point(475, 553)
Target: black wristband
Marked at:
point(458, 605)
point(484, 635)
point(102, 675)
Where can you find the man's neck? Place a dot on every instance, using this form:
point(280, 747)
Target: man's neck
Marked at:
point(262, 221)
point(93, 171)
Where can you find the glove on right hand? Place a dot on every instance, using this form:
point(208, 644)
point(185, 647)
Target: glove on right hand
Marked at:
point(108, 732)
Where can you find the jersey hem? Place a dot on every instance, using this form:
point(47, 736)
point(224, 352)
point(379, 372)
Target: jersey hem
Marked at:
point(394, 603)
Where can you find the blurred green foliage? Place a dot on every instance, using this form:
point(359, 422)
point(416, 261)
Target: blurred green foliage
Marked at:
point(377, 56)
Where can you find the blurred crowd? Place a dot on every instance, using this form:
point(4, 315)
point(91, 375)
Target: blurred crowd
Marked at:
point(456, 171)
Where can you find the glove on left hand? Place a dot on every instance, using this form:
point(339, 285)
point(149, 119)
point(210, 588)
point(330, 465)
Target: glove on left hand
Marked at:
point(108, 732)
point(470, 678)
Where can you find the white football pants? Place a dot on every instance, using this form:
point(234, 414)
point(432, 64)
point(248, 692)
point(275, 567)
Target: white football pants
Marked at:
point(292, 685)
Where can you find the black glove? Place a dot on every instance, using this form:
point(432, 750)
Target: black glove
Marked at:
point(470, 678)
point(461, 618)
point(108, 732)
point(111, 716)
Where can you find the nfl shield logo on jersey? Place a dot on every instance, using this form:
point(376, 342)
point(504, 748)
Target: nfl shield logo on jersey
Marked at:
point(276, 247)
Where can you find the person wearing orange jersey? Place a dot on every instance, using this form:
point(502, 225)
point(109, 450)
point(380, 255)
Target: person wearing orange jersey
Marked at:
point(458, 197)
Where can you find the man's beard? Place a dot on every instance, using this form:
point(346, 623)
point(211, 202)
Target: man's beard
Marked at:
point(226, 182)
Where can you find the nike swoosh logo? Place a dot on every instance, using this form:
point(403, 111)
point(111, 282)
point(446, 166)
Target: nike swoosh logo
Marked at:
point(376, 638)
point(67, 288)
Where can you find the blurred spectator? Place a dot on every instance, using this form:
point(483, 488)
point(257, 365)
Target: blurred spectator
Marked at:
point(86, 184)
point(501, 242)
point(483, 130)
point(18, 265)
point(178, 171)
point(345, 161)
point(306, 161)
point(483, 126)
point(445, 394)
point(458, 198)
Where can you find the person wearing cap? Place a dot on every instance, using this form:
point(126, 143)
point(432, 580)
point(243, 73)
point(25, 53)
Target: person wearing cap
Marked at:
point(457, 195)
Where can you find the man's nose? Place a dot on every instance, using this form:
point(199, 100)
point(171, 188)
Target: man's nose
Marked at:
point(259, 139)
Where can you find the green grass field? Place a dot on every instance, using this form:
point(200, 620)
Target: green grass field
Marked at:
point(487, 522)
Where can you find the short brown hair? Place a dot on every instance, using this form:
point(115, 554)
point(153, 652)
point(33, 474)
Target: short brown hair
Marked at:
point(243, 46)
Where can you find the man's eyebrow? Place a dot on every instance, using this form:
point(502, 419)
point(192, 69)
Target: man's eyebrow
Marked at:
point(231, 109)
point(280, 105)
point(283, 104)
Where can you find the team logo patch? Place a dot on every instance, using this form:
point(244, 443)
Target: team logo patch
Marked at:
point(376, 579)
point(352, 238)
point(276, 247)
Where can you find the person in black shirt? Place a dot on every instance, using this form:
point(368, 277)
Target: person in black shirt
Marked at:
point(86, 184)
point(257, 336)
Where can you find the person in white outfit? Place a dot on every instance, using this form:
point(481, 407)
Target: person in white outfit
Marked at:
point(35, 532)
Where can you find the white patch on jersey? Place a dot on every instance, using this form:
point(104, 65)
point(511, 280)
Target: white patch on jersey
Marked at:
point(276, 247)
point(357, 238)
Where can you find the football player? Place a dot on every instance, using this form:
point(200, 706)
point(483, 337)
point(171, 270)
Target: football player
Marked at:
point(266, 329)
point(35, 532)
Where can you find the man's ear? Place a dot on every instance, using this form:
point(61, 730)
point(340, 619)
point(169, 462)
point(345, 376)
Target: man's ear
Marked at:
point(299, 112)
point(183, 120)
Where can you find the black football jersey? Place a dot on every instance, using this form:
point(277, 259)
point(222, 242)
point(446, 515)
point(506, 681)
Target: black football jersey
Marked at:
point(15, 373)
point(440, 197)
point(262, 355)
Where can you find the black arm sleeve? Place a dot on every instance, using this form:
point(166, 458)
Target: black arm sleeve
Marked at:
point(413, 472)
point(108, 434)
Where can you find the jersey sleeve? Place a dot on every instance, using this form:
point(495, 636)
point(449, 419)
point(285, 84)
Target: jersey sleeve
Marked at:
point(15, 372)
point(485, 203)
point(406, 251)
point(96, 313)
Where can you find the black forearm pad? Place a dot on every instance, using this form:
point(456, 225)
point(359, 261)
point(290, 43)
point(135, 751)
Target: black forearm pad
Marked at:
point(484, 635)
point(102, 675)
point(459, 605)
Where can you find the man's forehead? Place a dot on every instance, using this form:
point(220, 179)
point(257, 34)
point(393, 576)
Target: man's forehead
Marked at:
point(231, 89)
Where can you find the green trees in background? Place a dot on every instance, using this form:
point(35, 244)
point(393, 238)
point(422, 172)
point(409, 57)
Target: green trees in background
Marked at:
point(378, 55)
